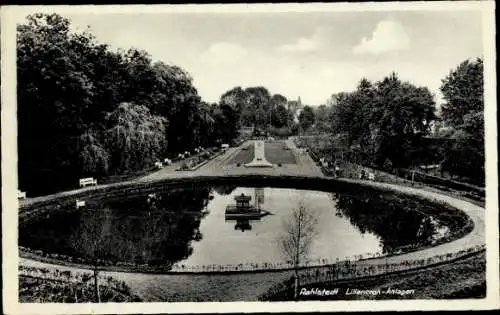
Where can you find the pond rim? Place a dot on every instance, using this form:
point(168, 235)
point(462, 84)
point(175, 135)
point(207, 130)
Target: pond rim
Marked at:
point(30, 207)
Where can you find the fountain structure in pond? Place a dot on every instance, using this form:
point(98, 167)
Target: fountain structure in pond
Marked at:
point(243, 212)
point(259, 159)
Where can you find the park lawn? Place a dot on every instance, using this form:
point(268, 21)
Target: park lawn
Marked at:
point(275, 153)
point(243, 156)
point(465, 278)
point(37, 290)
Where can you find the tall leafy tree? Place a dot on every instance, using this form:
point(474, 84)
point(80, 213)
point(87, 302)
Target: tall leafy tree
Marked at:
point(278, 100)
point(279, 116)
point(134, 137)
point(306, 117)
point(463, 92)
point(322, 118)
point(463, 111)
point(54, 97)
point(386, 120)
point(69, 89)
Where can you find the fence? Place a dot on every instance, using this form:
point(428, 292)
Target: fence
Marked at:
point(347, 270)
point(67, 276)
point(438, 181)
point(358, 262)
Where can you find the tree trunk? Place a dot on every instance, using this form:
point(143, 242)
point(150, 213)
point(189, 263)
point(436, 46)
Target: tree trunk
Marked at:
point(96, 286)
point(296, 285)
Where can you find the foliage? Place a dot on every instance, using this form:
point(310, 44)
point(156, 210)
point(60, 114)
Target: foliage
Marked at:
point(463, 111)
point(463, 92)
point(386, 119)
point(85, 110)
point(279, 116)
point(255, 106)
point(306, 118)
point(322, 116)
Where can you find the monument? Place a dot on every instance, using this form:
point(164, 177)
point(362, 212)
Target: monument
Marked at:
point(259, 159)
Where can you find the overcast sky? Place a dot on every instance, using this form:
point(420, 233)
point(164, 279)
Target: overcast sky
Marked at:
point(306, 54)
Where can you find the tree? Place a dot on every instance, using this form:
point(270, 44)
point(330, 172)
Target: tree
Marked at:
point(400, 116)
point(68, 84)
point(299, 231)
point(93, 241)
point(279, 116)
point(386, 120)
point(306, 118)
point(463, 111)
point(134, 138)
point(463, 92)
point(55, 95)
point(322, 117)
point(278, 100)
point(235, 98)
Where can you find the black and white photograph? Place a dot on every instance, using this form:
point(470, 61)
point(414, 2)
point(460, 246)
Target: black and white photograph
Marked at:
point(334, 153)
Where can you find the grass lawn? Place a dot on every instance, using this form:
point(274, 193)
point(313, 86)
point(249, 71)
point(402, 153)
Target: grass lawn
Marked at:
point(465, 278)
point(37, 290)
point(243, 156)
point(275, 153)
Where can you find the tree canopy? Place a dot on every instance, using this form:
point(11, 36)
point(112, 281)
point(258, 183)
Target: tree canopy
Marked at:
point(306, 117)
point(385, 119)
point(463, 111)
point(85, 110)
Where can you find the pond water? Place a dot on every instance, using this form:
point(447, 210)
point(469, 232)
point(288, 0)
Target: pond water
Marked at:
point(188, 226)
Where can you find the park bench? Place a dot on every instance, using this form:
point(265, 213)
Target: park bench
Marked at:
point(21, 194)
point(80, 203)
point(87, 181)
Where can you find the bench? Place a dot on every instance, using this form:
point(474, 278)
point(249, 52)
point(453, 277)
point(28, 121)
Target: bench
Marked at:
point(80, 203)
point(21, 194)
point(89, 181)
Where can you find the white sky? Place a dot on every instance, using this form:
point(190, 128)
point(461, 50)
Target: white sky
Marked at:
point(306, 54)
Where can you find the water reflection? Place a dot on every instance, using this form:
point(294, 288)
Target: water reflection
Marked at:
point(190, 226)
point(243, 225)
point(224, 190)
point(393, 218)
point(242, 211)
point(156, 229)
